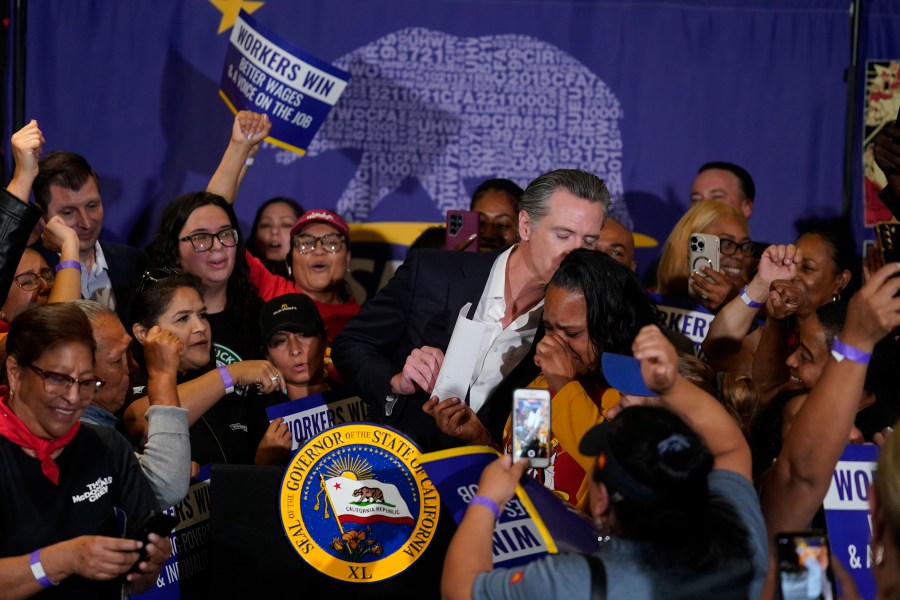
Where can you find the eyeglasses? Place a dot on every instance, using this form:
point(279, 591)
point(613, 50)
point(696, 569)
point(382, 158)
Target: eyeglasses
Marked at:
point(154, 275)
point(728, 248)
point(331, 242)
point(58, 383)
point(30, 281)
point(202, 242)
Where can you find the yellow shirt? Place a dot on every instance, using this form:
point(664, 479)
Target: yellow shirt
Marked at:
point(572, 412)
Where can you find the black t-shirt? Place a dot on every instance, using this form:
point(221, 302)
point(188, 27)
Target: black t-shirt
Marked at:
point(222, 434)
point(230, 343)
point(97, 474)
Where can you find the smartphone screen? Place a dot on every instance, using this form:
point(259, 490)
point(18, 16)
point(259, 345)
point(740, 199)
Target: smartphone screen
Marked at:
point(531, 426)
point(804, 569)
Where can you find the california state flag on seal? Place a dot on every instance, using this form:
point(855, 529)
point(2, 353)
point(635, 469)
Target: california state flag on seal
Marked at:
point(367, 501)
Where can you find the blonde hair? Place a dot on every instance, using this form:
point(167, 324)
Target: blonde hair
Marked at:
point(674, 267)
point(697, 372)
point(887, 480)
point(740, 396)
point(736, 392)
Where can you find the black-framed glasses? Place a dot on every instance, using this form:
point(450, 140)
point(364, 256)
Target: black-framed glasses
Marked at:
point(60, 383)
point(202, 242)
point(331, 243)
point(154, 275)
point(30, 281)
point(728, 247)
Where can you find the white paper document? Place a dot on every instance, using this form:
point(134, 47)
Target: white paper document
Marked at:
point(462, 354)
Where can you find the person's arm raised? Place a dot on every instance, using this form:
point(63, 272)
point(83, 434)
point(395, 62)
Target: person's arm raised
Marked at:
point(705, 414)
point(724, 343)
point(787, 298)
point(166, 459)
point(799, 479)
point(471, 550)
point(26, 144)
point(62, 238)
point(247, 132)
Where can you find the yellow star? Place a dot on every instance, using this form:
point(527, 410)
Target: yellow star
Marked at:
point(230, 10)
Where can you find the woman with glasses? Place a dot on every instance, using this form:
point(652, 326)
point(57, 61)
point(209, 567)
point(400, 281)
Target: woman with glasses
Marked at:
point(218, 416)
point(63, 482)
point(320, 239)
point(35, 282)
point(320, 259)
point(712, 288)
point(792, 282)
point(199, 233)
point(688, 297)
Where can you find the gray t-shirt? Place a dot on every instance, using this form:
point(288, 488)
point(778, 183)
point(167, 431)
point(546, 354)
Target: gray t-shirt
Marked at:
point(568, 575)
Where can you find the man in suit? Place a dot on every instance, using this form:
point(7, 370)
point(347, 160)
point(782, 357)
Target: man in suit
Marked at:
point(66, 185)
point(393, 349)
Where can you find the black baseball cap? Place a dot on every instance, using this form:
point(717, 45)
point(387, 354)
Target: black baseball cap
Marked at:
point(296, 313)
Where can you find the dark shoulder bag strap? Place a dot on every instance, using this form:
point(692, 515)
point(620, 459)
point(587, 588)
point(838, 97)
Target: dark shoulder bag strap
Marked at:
point(598, 577)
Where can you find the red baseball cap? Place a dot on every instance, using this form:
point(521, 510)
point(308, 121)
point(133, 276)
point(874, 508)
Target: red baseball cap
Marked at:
point(321, 215)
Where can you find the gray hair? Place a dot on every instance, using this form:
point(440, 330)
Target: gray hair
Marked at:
point(587, 186)
point(94, 310)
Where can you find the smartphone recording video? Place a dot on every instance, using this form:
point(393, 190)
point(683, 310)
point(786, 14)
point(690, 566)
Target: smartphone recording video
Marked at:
point(531, 426)
point(804, 568)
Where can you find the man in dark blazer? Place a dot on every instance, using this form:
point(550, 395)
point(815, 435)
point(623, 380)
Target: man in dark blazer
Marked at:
point(67, 186)
point(393, 349)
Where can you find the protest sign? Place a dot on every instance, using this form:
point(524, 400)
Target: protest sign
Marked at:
point(264, 73)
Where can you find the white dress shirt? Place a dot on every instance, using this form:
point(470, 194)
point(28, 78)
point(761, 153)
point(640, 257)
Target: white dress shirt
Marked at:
point(502, 349)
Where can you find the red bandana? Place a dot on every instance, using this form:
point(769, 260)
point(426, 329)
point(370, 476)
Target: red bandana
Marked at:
point(13, 429)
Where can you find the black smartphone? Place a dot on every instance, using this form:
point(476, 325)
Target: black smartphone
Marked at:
point(161, 524)
point(804, 565)
point(461, 225)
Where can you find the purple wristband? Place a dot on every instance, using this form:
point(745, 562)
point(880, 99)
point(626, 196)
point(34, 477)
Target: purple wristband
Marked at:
point(840, 350)
point(68, 264)
point(750, 301)
point(226, 378)
point(488, 503)
point(37, 569)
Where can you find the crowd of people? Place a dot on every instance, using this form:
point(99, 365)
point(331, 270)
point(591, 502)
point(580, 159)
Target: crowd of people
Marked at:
point(693, 419)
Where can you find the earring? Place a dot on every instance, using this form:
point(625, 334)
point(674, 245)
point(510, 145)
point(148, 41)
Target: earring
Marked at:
point(879, 555)
point(836, 296)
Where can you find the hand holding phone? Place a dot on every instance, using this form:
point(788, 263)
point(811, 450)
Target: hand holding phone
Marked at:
point(704, 252)
point(804, 568)
point(531, 426)
point(161, 524)
point(887, 240)
point(462, 225)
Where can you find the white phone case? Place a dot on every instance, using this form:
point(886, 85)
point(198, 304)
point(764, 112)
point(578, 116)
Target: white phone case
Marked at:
point(704, 252)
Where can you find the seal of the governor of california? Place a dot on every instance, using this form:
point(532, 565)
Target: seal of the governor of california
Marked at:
point(356, 503)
